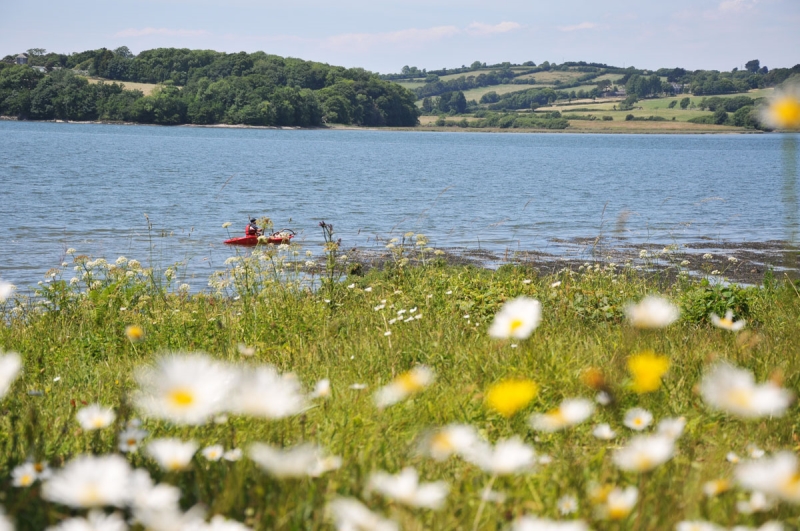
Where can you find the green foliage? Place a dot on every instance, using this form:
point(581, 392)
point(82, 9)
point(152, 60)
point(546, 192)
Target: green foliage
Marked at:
point(241, 88)
point(700, 301)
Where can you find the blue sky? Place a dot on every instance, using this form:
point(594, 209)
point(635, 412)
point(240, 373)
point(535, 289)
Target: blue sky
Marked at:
point(384, 35)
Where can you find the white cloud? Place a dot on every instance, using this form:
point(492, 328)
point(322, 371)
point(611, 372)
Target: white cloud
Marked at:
point(737, 5)
point(167, 32)
point(478, 28)
point(578, 27)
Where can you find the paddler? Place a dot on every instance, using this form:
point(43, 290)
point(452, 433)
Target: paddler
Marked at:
point(252, 229)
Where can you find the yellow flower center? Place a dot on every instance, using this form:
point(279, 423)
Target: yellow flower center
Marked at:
point(618, 512)
point(91, 496)
point(638, 421)
point(38, 467)
point(791, 487)
point(181, 397)
point(442, 443)
point(98, 422)
point(741, 397)
point(409, 383)
point(131, 442)
point(643, 463)
point(26, 480)
point(515, 324)
point(556, 417)
point(175, 464)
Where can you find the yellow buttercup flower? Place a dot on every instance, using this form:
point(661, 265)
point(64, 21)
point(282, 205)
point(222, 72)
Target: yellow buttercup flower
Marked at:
point(647, 368)
point(134, 333)
point(509, 396)
point(784, 112)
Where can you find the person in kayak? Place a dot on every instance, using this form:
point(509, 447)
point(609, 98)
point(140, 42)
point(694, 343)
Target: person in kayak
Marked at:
point(252, 229)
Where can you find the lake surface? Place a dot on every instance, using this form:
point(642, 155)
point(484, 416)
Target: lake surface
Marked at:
point(89, 187)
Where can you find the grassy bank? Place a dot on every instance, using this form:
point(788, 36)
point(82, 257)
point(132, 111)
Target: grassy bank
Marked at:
point(363, 332)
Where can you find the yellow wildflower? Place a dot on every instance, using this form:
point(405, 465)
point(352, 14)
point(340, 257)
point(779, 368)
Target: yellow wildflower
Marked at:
point(784, 111)
point(134, 333)
point(509, 396)
point(647, 368)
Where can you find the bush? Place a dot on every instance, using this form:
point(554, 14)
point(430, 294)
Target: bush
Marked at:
point(608, 118)
point(629, 117)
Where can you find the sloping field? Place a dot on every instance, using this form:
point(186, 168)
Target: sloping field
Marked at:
point(146, 88)
point(551, 76)
point(476, 93)
point(411, 85)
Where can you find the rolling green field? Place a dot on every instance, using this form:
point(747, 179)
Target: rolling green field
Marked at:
point(493, 368)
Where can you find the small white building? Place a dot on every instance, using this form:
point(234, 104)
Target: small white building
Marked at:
point(21, 59)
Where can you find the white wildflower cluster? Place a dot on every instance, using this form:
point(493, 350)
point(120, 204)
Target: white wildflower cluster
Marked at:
point(192, 388)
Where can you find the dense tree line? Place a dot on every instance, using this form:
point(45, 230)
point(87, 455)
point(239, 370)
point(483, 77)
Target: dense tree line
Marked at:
point(202, 87)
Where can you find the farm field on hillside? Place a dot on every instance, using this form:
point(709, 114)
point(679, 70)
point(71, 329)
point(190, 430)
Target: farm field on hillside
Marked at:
point(146, 88)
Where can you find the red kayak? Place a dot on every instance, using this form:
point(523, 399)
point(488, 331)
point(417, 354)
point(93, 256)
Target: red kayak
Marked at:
point(282, 236)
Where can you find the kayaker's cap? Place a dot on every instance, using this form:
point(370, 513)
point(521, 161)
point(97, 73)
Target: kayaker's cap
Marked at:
point(252, 220)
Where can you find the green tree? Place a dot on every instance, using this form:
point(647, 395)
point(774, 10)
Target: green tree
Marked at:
point(685, 102)
point(672, 104)
point(753, 66)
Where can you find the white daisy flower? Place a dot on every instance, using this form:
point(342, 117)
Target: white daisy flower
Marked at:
point(130, 438)
point(172, 454)
point(697, 525)
point(325, 465)
point(567, 504)
point(184, 388)
point(404, 385)
point(570, 412)
point(638, 418)
point(405, 488)
point(733, 390)
point(671, 428)
point(95, 417)
point(533, 523)
point(652, 312)
point(89, 481)
point(234, 454)
point(297, 461)
point(758, 503)
point(455, 439)
point(603, 432)
point(775, 476)
point(6, 289)
point(24, 475)
point(716, 487)
point(516, 319)
point(213, 452)
point(644, 453)
point(731, 457)
point(727, 323)
point(619, 503)
point(349, 514)
point(264, 392)
point(507, 457)
point(96, 520)
point(322, 389)
point(754, 451)
point(10, 365)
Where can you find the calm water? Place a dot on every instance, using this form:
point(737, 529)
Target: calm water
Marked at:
point(89, 186)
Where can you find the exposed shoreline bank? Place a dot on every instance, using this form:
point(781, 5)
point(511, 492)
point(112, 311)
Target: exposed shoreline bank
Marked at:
point(419, 129)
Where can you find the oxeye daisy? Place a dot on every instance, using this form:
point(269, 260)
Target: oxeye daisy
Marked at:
point(24, 475)
point(130, 438)
point(349, 514)
point(89, 481)
point(172, 454)
point(295, 462)
point(404, 385)
point(638, 418)
point(567, 504)
point(507, 457)
point(776, 476)
point(6, 289)
point(455, 439)
point(234, 454)
point(715, 487)
point(533, 523)
point(604, 432)
point(652, 312)
point(619, 503)
point(213, 453)
point(727, 322)
point(733, 390)
point(671, 428)
point(516, 319)
point(95, 417)
point(406, 489)
point(184, 388)
point(570, 412)
point(96, 520)
point(264, 392)
point(10, 365)
point(644, 453)
point(509, 396)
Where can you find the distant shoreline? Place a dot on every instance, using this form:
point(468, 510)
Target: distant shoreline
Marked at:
point(423, 128)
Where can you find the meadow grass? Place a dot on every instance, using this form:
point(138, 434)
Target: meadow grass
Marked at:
point(146, 88)
point(75, 351)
